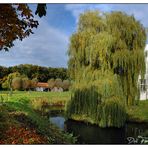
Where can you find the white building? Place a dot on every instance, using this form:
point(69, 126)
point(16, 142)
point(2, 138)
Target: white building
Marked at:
point(144, 82)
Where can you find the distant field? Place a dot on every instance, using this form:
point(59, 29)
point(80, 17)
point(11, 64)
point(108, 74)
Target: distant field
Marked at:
point(52, 96)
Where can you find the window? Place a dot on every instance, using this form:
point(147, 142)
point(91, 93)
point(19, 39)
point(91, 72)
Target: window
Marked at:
point(143, 85)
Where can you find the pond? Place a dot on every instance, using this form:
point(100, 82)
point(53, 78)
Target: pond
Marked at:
point(92, 134)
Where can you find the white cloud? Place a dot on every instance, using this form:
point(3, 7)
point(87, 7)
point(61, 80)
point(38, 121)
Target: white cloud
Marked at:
point(77, 9)
point(140, 11)
point(47, 47)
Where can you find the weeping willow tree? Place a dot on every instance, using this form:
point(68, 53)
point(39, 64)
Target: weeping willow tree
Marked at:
point(106, 56)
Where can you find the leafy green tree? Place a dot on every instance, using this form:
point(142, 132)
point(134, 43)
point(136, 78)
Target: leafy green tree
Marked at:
point(106, 56)
point(43, 74)
point(8, 82)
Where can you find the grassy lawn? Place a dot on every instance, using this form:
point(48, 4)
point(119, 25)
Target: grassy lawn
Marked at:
point(19, 110)
point(52, 96)
point(139, 113)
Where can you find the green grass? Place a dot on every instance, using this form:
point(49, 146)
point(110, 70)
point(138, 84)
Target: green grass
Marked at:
point(139, 113)
point(53, 96)
point(20, 102)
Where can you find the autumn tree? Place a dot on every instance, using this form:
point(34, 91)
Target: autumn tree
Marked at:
point(106, 56)
point(17, 22)
point(58, 82)
point(33, 83)
point(66, 84)
point(51, 83)
point(17, 83)
point(25, 83)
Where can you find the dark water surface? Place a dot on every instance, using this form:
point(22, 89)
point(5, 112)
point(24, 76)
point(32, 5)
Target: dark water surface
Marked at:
point(92, 134)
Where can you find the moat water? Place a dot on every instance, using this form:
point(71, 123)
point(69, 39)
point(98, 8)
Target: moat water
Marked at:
point(92, 134)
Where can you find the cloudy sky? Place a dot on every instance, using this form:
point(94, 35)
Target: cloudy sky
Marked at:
point(49, 44)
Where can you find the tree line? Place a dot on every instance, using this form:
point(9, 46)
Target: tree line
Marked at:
point(16, 81)
point(42, 74)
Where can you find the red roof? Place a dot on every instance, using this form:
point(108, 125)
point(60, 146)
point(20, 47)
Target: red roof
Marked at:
point(42, 84)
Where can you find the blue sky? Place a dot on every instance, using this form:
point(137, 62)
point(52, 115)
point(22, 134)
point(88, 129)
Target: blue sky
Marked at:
point(49, 44)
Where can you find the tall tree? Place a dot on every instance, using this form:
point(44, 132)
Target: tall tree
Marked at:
point(106, 56)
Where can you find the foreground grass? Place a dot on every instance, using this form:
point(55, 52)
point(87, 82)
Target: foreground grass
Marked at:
point(19, 105)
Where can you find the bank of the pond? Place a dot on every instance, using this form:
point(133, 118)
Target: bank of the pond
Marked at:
point(139, 113)
point(136, 114)
point(18, 114)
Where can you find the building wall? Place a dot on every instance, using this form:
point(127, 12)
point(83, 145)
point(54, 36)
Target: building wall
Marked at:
point(39, 89)
point(143, 84)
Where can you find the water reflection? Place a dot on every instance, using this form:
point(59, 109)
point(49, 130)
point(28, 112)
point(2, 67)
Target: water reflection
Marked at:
point(91, 134)
point(58, 121)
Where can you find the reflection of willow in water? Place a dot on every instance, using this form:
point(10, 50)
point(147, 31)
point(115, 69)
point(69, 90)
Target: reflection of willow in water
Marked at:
point(134, 130)
point(91, 134)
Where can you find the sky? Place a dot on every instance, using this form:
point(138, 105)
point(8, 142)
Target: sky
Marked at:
point(49, 44)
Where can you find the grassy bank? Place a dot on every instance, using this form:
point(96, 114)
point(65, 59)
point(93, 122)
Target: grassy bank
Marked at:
point(139, 113)
point(18, 112)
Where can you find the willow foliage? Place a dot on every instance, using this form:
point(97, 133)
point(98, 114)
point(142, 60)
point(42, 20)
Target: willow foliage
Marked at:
point(106, 56)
